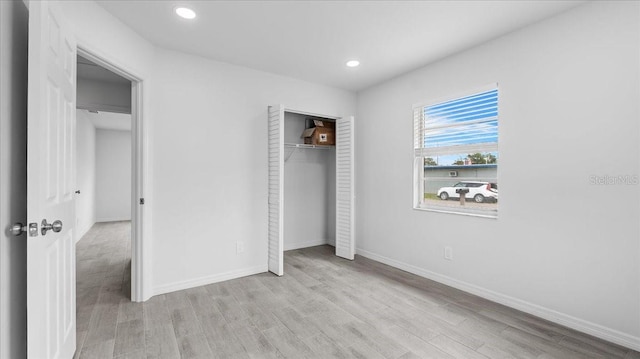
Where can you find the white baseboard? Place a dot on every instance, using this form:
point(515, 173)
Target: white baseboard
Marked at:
point(305, 244)
point(192, 283)
point(113, 219)
point(578, 324)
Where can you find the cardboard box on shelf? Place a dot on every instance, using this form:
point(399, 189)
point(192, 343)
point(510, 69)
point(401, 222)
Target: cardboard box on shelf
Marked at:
point(323, 134)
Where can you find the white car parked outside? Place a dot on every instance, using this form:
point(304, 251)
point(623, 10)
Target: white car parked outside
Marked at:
point(478, 191)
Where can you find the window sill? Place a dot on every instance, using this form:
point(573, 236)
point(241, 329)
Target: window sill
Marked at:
point(466, 212)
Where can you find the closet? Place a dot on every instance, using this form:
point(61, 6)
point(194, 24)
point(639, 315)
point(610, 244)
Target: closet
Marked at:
point(311, 186)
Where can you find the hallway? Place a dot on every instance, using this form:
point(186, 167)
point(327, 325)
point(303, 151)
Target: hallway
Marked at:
point(103, 270)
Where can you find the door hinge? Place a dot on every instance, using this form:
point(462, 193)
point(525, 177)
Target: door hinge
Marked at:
point(141, 200)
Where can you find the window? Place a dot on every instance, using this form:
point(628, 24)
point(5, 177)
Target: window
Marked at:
point(456, 154)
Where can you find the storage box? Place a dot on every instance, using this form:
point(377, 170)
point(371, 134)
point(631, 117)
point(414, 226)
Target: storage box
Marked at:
point(323, 134)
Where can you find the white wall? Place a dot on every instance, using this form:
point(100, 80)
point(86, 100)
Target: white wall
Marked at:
point(113, 175)
point(103, 35)
point(561, 247)
point(103, 171)
point(103, 96)
point(14, 20)
point(85, 174)
point(209, 132)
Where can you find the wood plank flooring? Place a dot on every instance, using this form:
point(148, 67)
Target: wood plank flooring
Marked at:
point(324, 307)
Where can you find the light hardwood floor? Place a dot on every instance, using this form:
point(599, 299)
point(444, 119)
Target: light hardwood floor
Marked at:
point(323, 307)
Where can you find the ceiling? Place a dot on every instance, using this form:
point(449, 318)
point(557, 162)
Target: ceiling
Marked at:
point(312, 40)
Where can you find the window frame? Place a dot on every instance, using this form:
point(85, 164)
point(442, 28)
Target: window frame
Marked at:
point(419, 157)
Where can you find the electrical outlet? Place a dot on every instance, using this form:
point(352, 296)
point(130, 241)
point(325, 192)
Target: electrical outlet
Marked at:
point(448, 253)
point(239, 247)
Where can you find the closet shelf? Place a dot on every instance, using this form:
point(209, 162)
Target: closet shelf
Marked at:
point(302, 145)
point(296, 146)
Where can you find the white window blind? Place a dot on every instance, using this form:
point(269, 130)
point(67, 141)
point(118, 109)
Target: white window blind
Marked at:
point(463, 125)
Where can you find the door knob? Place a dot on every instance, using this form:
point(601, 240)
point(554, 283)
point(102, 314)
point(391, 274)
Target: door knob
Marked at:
point(56, 226)
point(19, 228)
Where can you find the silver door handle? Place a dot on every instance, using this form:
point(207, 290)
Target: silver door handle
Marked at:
point(19, 228)
point(56, 226)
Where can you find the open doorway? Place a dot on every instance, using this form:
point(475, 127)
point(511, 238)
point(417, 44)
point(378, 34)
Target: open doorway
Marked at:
point(104, 158)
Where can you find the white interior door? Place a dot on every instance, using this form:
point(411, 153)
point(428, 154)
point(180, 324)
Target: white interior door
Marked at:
point(345, 189)
point(51, 316)
point(276, 189)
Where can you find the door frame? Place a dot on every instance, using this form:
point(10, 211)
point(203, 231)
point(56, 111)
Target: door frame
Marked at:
point(140, 263)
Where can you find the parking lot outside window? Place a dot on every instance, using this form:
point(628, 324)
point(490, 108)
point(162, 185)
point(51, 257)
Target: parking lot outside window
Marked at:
point(456, 154)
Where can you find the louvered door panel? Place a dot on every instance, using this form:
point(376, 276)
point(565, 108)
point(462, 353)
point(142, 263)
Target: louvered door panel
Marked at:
point(345, 189)
point(276, 182)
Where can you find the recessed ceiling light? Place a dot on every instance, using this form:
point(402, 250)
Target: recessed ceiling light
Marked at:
point(353, 63)
point(186, 13)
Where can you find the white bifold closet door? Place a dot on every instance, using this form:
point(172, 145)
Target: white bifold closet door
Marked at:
point(276, 186)
point(345, 189)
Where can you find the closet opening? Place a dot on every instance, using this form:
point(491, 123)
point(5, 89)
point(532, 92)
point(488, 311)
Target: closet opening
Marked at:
point(311, 183)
